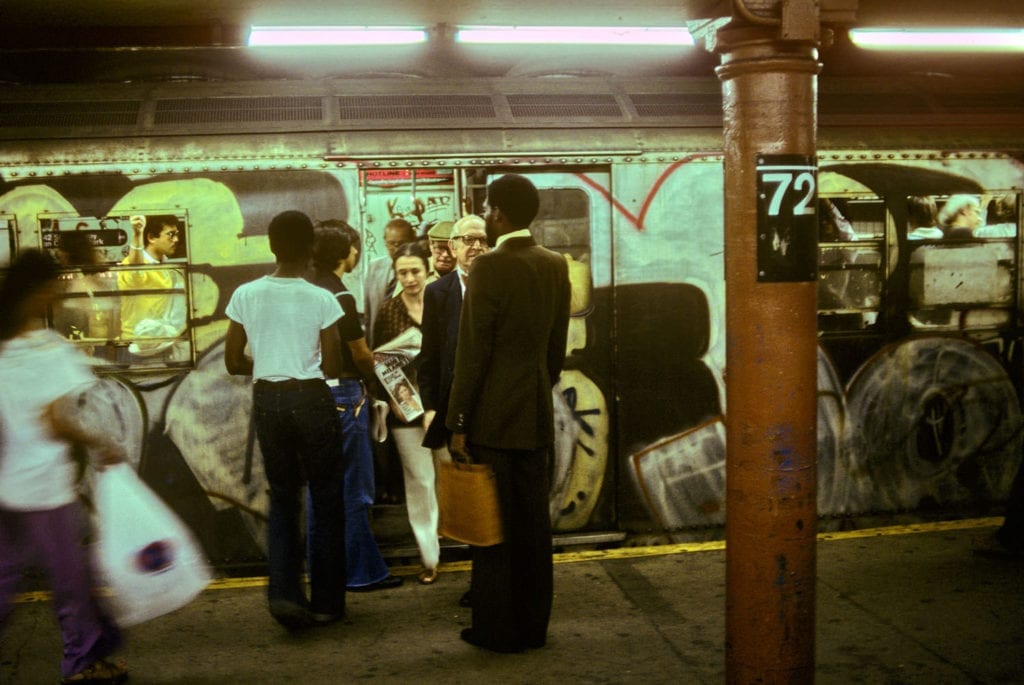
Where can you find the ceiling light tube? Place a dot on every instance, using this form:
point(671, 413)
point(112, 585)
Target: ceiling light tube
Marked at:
point(335, 35)
point(949, 40)
point(578, 35)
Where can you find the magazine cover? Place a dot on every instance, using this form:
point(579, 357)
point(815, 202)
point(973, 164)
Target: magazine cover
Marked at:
point(388, 360)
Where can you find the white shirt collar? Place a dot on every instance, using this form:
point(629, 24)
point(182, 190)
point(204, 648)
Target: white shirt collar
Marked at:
point(521, 233)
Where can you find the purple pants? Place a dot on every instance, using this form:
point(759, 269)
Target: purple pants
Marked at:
point(51, 540)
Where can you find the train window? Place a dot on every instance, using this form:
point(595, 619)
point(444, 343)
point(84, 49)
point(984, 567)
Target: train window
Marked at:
point(563, 221)
point(962, 268)
point(128, 316)
point(851, 268)
point(563, 225)
point(417, 195)
point(7, 235)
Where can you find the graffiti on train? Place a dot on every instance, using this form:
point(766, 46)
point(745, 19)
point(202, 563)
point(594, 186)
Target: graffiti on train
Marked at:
point(918, 363)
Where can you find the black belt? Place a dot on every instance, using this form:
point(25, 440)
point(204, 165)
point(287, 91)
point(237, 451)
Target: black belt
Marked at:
point(289, 383)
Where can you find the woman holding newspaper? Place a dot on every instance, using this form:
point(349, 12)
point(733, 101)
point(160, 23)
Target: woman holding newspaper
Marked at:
point(396, 330)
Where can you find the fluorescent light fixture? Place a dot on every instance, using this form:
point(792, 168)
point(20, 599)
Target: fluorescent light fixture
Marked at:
point(576, 35)
point(950, 40)
point(335, 35)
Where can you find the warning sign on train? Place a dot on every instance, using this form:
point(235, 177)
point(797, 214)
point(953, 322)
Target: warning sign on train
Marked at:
point(787, 218)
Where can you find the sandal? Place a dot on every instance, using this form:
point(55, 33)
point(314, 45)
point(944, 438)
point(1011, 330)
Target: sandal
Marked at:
point(100, 671)
point(428, 576)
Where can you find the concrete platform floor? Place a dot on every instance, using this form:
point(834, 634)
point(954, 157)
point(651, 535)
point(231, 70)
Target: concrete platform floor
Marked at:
point(905, 604)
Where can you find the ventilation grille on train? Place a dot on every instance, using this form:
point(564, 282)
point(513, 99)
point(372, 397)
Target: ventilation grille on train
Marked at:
point(54, 113)
point(1000, 103)
point(564, 106)
point(677, 104)
point(860, 104)
point(355, 107)
point(238, 110)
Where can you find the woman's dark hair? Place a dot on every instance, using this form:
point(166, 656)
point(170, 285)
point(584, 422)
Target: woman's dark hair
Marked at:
point(334, 240)
point(921, 211)
point(31, 271)
point(78, 250)
point(412, 250)
point(516, 197)
point(1001, 210)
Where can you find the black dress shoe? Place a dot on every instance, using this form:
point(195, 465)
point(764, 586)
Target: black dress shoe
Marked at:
point(325, 619)
point(466, 600)
point(991, 546)
point(386, 584)
point(291, 615)
point(472, 638)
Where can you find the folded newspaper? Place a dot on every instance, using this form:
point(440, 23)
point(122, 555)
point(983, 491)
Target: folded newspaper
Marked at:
point(388, 361)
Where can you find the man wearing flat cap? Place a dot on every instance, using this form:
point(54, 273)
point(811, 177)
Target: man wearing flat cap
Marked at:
point(441, 258)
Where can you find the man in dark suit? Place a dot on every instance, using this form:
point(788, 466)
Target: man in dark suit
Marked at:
point(510, 352)
point(442, 306)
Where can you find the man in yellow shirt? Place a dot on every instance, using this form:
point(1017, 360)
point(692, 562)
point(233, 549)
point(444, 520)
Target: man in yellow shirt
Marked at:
point(162, 315)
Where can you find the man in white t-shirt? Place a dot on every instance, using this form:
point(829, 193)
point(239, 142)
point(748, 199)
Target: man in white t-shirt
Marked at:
point(289, 325)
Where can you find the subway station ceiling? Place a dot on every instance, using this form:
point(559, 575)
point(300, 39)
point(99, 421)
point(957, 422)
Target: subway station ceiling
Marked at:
point(141, 41)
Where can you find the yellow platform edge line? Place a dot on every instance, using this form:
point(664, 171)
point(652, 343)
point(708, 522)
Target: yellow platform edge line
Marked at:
point(621, 552)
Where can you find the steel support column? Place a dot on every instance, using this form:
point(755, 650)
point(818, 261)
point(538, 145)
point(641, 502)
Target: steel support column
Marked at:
point(769, 95)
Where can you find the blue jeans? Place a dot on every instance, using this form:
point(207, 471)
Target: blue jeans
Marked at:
point(363, 559)
point(300, 439)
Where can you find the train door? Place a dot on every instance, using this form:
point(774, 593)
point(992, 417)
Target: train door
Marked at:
point(575, 220)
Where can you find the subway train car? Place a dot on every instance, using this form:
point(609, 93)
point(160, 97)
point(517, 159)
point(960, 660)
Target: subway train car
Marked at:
point(919, 364)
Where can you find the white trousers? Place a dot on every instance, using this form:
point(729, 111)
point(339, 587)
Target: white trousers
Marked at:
point(420, 490)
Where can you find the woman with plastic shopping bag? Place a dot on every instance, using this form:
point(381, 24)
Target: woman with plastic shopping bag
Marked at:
point(145, 555)
point(41, 379)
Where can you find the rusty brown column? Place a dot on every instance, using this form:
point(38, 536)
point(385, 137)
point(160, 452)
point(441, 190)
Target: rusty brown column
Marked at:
point(769, 94)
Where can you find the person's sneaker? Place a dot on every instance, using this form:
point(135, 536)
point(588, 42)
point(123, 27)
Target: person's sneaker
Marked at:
point(386, 584)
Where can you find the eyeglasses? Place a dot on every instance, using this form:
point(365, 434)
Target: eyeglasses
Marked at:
point(169, 234)
point(439, 245)
point(471, 240)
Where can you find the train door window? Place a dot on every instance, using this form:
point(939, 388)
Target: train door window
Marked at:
point(129, 316)
point(564, 222)
point(420, 196)
point(851, 263)
point(8, 231)
point(963, 267)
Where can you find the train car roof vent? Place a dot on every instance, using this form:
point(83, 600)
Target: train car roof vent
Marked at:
point(846, 104)
point(234, 110)
point(415, 107)
point(564, 105)
point(987, 103)
point(59, 114)
point(677, 104)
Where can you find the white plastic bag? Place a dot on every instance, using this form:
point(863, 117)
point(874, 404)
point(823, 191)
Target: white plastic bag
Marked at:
point(145, 554)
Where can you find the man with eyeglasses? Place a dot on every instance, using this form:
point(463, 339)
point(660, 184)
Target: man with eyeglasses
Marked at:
point(154, 240)
point(442, 304)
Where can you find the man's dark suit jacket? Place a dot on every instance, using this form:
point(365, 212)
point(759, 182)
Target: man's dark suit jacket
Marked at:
point(442, 303)
point(511, 347)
